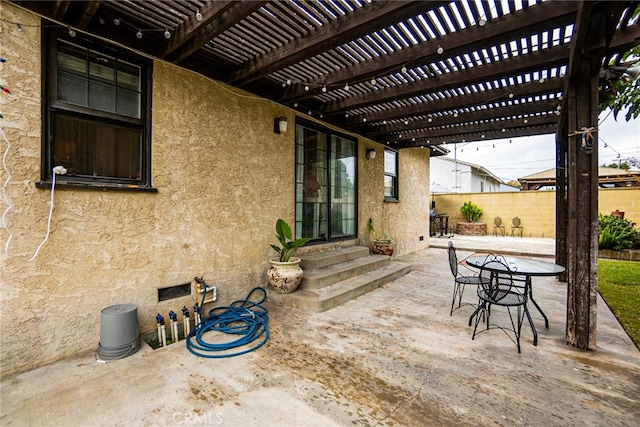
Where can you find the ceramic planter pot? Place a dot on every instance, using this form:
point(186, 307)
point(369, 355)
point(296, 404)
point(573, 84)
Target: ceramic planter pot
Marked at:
point(285, 277)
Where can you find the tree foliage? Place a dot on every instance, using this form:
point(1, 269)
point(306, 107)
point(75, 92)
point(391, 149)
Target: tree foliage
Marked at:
point(624, 93)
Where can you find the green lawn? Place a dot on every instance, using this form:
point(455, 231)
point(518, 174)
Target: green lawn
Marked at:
point(619, 285)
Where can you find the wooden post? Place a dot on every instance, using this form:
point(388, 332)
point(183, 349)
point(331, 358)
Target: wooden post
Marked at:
point(562, 169)
point(582, 183)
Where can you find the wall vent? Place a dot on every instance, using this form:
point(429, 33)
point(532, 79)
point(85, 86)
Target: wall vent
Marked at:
point(173, 292)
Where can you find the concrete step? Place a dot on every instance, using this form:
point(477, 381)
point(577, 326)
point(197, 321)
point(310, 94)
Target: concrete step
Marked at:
point(316, 278)
point(337, 293)
point(324, 259)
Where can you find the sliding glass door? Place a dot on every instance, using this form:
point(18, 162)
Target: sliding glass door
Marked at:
point(326, 182)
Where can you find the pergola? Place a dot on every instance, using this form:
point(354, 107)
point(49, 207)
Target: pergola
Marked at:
point(410, 74)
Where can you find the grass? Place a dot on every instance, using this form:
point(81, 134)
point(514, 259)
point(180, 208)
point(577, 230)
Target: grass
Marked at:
point(619, 285)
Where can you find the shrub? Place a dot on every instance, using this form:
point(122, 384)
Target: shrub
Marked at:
point(471, 211)
point(616, 233)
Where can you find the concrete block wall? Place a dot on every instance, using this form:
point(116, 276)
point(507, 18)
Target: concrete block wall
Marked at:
point(536, 209)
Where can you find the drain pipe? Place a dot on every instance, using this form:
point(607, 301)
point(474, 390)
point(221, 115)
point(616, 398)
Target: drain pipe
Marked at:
point(162, 334)
point(185, 321)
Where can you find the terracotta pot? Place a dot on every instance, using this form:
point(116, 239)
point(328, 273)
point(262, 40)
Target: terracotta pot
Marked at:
point(285, 277)
point(383, 247)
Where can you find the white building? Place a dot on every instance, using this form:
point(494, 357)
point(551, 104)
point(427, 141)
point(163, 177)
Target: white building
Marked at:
point(465, 177)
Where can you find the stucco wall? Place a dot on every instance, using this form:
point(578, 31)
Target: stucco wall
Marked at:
point(536, 209)
point(223, 178)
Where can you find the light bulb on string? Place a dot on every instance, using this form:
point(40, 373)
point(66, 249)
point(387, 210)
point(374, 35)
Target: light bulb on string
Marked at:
point(346, 86)
point(373, 82)
point(116, 22)
point(306, 88)
point(440, 50)
point(167, 34)
point(324, 89)
point(72, 32)
point(139, 34)
point(198, 16)
point(404, 70)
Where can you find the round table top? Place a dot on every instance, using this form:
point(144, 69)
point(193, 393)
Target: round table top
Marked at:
point(521, 266)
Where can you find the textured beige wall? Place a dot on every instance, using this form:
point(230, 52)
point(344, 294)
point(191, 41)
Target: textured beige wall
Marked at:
point(223, 178)
point(536, 209)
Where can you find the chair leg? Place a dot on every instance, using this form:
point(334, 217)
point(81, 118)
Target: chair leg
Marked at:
point(481, 308)
point(458, 290)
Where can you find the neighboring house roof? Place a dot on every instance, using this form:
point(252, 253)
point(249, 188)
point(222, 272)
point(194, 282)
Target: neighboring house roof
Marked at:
point(607, 177)
point(480, 170)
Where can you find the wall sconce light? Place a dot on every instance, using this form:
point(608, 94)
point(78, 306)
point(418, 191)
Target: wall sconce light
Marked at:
point(280, 124)
point(371, 153)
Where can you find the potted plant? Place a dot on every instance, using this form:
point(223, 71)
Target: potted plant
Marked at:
point(472, 214)
point(285, 273)
point(382, 245)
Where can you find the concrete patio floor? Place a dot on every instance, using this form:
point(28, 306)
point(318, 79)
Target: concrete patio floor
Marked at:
point(393, 357)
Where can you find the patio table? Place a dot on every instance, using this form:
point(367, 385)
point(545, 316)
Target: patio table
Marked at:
point(527, 268)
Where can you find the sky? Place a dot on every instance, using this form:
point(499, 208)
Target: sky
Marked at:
point(519, 157)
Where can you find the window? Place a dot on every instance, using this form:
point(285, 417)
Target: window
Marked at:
point(390, 175)
point(96, 121)
point(325, 184)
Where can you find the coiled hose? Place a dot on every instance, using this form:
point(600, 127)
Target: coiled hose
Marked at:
point(245, 317)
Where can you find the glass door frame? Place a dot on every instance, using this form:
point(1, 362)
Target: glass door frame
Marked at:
point(314, 193)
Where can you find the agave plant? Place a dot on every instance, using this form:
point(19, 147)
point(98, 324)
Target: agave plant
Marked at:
point(287, 244)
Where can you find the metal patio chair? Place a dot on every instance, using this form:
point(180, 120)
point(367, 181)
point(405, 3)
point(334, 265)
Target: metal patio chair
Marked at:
point(460, 281)
point(516, 226)
point(498, 226)
point(499, 287)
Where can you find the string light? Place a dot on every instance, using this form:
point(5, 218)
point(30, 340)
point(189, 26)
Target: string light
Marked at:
point(139, 34)
point(167, 34)
point(116, 22)
point(440, 50)
point(198, 16)
point(72, 32)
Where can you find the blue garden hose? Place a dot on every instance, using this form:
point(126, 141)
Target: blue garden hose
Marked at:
point(243, 317)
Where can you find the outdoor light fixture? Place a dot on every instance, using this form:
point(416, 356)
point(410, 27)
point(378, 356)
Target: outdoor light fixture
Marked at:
point(371, 153)
point(280, 124)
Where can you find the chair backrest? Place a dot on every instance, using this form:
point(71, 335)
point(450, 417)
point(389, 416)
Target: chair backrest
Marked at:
point(497, 222)
point(516, 222)
point(497, 278)
point(453, 259)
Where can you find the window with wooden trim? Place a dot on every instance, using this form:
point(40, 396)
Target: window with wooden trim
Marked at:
point(97, 124)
